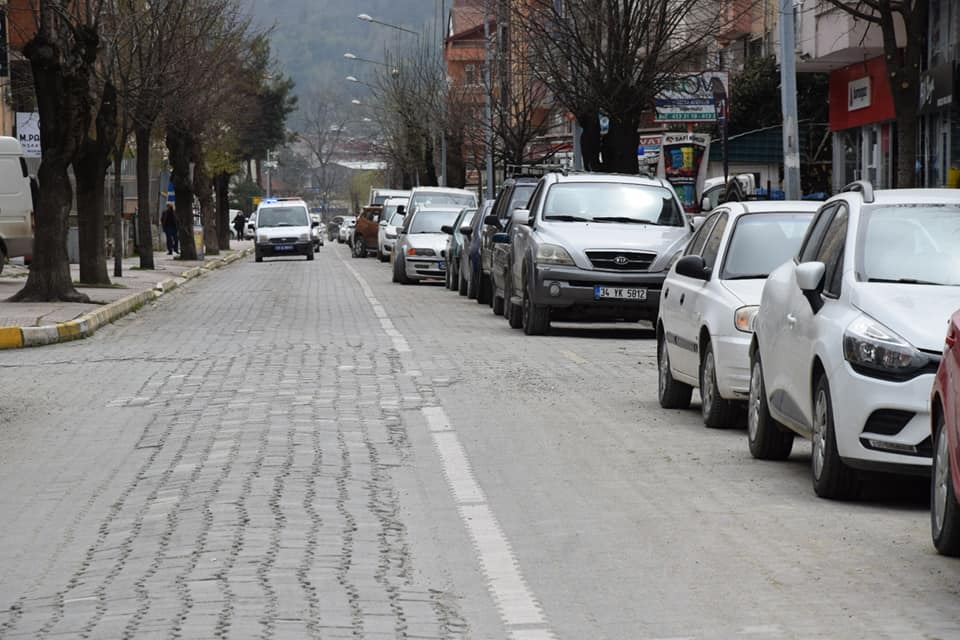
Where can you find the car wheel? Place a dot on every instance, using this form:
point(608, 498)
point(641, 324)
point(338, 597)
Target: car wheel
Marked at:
point(396, 271)
point(498, 305)
point(461, 284)
point(536, 318)
point(768, 440)
point(310, 256)
point(944, 510)
point(258, 256)
point(717, 412)
point(670, 393)
point(383, 257)
point(511, 312)
point(359, 248)
point(473, 285)
point(483, 289)
point(831, 477)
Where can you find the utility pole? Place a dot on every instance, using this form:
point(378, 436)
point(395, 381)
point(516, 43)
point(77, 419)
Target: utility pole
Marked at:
point(443, 94)
point(489, 109)
point(788, 101)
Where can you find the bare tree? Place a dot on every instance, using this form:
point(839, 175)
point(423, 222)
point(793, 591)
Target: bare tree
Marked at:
point(613, 57)
point(324, 123)
point(903, 67)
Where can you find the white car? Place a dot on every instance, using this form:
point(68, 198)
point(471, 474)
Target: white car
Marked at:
point(250, 227)
point(346, 229)
point(390, 223)
point(284, 228)
point(421, 243)
point(849, 335)
point(315, 231)
point(710, 298)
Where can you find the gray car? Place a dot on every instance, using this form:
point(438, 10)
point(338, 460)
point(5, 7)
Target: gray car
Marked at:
point(421, 243)
point(593, 247)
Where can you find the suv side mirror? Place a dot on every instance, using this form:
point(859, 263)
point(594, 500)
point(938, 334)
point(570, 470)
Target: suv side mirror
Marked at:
point(383, 223)
point(705, 204)
point(401, 210)
point(447, 229)
point(520, 216)
point(314, 223)
point(466, 230)
point(696, 222)
point(693, 267)
point(492, 221)
point(809, 276)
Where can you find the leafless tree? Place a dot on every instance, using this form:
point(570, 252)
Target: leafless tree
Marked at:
point(324, 126)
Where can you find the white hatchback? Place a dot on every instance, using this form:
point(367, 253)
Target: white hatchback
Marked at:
point(711, 296)
point(849, 335)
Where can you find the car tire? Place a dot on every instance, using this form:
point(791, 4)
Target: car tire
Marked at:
point(383, 257)
point(832, 478)
point(310, 256)
point(359, 248)
point(498, 305)
point(3, 258)
point(473, 285)
point(511, 312)
point(400, 268)
point(944, 510)
point(670, 393)
point(536, 318)
point(461, 283)
point(483, 289)
point(717, 412)
point(258, 256)
point(768, 440)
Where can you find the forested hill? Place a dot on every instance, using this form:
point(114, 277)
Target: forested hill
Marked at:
point(310, 36)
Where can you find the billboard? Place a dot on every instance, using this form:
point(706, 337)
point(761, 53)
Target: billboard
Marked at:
point(28, 133)
point(690, 97)
point(683, 162)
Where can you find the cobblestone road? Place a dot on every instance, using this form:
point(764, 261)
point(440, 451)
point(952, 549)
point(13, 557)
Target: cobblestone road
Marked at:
point(301, 449)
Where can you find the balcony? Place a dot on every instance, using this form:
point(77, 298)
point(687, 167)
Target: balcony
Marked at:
point(736, 19)
point(830, 38)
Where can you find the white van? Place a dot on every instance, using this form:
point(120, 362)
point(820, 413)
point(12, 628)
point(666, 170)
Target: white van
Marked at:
point(16, 202)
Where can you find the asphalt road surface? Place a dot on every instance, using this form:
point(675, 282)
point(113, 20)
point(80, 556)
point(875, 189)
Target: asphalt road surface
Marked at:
point(302, 449)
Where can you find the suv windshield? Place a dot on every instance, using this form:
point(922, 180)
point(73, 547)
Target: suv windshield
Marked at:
point(612, 202)
point(761, 242)
point(431, 221)
point(910, 244)
point(283, 217)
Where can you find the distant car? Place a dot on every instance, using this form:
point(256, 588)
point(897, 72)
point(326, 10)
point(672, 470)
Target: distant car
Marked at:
point(366, 230)
point(379, 195)
point(945, 431)
point(250, 227)
point(346, 228)
point(284, 228)
point(470, 267)
point(421, 243)
point(458, 236)
point(849, 336)
point(710, 298)
point(440, 197)
point(316, 232)
point(390, 221)
point(333, 228)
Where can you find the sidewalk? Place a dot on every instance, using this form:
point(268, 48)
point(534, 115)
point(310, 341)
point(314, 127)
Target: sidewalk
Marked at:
point(39, 323)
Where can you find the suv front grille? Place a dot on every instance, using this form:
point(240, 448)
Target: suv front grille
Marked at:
point(621, 260)
point(283, 240)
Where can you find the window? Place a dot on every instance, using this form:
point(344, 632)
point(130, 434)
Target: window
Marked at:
point(811, 244)
point(712, 246)
point(470, 74)
point(535, 199)
point(831, 250)
point(695, 246)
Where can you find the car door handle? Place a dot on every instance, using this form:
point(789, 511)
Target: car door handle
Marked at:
point(682, 296)
point(791, 319)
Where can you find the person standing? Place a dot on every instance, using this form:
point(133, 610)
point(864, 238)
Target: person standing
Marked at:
point(169, 223)
point(238, 222)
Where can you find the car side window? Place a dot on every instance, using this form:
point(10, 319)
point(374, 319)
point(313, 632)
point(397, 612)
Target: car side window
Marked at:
point(695, 246)
point(831, 251)
point(712, 247)
point(811, 244)
point(535, 198)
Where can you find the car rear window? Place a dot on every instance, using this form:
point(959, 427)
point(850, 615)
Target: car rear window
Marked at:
point(761, 242)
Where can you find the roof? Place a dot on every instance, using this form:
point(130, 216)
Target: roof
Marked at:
point(10, 146)
point(769, 206)
point(439, 190)
point(391, 193)
point(610, 178)
point(912, 196)
point(465, 19)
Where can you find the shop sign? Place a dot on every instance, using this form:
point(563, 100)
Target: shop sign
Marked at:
point(936, 88)
point(858, 94)
point(683, 162)
point(28, 133)
point(690, 97)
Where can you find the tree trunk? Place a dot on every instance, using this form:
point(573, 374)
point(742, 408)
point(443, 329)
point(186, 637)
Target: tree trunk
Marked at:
point(590, 142)
point(203, 188)
point(63, 103)
point(90, 171)
point(430, 169)
point(179, 147)
point(222, 182)
point(619, 147)
point(118, 236)
point(144, 219)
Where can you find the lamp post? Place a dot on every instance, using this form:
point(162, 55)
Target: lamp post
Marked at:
point(366, 17)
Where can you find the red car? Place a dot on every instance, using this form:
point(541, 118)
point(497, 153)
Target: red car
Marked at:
point(945, 474)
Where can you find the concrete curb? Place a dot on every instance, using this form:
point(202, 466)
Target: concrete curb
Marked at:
point(88, 324)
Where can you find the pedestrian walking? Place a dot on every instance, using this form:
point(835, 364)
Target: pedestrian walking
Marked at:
point(238, 222)
point(169, 222)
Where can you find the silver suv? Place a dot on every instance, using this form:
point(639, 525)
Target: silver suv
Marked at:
point(593, 247)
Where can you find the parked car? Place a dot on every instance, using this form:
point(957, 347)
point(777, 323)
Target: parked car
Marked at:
point(470, 267)
point(283, 228)
point(379, 195)
point(514, 195)
point(315, 231)
point(500, 267)
point(595, 247)
point(458, 235)
point(848, 337)
point(333, 228)
point(710, 298)
point(945, 431)
point(365, 232)
point(440, 197)
point(390, 222)
point(16, 203)
point(420, 244)
point(346, 228)
point(250, 227)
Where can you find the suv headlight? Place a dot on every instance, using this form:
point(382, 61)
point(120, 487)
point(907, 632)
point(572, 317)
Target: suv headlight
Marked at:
point(873, 349)
point(553, 254)
point(744, 317)
point(421, 252)
point(304, 237)
point(390, 233)
point(263, 239)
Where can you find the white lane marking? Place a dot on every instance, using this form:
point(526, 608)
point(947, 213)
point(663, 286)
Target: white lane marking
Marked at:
point(517, 605)
point(399, 342)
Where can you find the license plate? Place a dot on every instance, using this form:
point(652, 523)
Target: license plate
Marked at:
point(619, 293)
point(284, 247)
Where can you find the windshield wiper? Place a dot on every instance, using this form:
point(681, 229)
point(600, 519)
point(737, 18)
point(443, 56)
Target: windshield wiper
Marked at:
point(749, 276)
point(904, 281)
point(565, 218)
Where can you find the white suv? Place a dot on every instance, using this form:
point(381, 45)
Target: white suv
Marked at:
point(849, 335)
point(710, 298)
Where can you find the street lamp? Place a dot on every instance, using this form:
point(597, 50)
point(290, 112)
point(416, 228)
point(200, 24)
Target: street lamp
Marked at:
point(366, 17)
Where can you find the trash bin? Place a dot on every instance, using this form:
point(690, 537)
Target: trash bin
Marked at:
point(198, 240)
